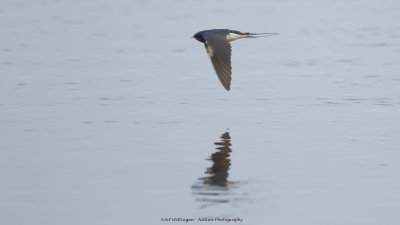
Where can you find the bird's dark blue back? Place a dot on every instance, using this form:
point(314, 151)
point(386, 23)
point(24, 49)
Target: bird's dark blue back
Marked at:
point(202, 35)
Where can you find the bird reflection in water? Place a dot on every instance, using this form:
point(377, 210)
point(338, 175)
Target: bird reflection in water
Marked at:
point(214, 188)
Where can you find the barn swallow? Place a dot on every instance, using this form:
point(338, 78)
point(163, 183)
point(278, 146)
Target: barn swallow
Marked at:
point(219, 50)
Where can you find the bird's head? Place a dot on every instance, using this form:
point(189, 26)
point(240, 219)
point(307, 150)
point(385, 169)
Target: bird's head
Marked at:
point(198, 36)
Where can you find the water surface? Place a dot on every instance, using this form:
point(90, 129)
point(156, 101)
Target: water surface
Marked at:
point(110, 112)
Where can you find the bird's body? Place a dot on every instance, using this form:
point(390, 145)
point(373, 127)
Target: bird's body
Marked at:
point(219, 50)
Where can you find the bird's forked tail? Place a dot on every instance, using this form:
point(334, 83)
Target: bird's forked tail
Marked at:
point(256, 35)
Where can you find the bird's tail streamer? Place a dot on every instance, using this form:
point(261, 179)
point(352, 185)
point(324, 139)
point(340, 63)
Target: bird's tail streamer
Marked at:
point(255, 35)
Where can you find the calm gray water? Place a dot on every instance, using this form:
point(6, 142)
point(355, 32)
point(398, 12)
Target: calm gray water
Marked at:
point(111, 114)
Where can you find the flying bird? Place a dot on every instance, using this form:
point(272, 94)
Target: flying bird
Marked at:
point(219, 49)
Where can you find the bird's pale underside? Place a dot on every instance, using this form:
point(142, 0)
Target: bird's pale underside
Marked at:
point(219, 50)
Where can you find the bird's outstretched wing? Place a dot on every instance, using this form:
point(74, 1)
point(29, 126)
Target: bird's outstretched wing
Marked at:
point(219, 50)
